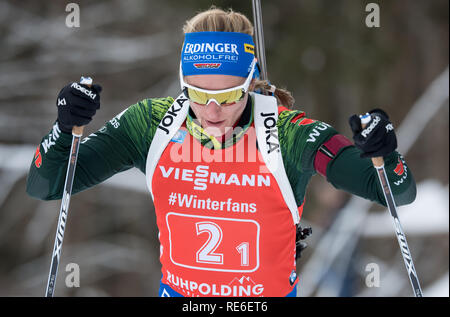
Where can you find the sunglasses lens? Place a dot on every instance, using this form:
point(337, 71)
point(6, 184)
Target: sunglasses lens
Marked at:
point(203, 98)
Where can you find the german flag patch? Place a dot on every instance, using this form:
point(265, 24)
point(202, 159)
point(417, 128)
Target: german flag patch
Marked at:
point(249, 48)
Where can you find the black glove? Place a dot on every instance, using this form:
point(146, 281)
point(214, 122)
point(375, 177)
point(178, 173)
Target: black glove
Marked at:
point(77, 104)
point(378, 138)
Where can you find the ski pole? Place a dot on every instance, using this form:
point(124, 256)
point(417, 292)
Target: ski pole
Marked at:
point(378, 163)
point(259, 38)
point(77, 132)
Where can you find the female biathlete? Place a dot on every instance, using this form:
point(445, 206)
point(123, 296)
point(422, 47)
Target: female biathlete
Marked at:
point(226, 162)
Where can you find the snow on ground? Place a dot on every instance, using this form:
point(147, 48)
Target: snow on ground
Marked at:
point(438, 288)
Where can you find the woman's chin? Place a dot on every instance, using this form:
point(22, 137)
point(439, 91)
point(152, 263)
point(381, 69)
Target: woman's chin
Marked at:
point(214, 132)
point(215, 129)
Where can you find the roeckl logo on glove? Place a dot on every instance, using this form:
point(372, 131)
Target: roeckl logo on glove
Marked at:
point(372, 126)
point(85, 91)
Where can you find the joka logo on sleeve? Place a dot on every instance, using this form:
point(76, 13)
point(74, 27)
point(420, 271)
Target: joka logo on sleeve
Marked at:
point(270, 125)
point(171, 114)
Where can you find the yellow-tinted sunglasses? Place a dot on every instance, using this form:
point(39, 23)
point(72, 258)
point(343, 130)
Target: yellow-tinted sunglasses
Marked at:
point(225, 97)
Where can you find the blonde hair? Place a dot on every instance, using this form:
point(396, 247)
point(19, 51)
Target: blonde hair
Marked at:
point(217, 20)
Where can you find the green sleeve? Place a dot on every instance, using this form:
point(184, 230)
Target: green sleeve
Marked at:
point(356, 175)
point(300, 138)
point(122, 143)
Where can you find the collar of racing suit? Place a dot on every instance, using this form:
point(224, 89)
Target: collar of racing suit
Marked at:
point(210, 141)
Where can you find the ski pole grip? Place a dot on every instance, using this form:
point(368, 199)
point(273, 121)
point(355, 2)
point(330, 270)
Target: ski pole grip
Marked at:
point(76, 130)
point(376, 161)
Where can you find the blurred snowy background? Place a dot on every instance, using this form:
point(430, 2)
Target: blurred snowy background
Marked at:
point(320, 49)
